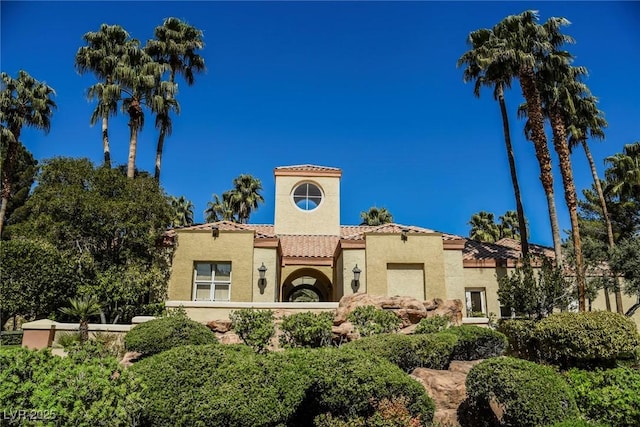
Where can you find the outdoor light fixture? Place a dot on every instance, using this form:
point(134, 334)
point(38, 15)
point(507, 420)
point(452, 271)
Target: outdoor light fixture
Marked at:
point(215, 231)
point(404, 235)
point(262, 280)
point(356, 273)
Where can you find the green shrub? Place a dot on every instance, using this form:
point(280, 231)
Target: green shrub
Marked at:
point(233, 386)
point(520, 337)
point(161, 334)
point(369, 320)
point(475, 342)
point(10, 337)
point(389, 413)
point(68, 339)
point(410, 351)
point(67, 390)
point(254, 327)
point(585, 339)
point(530, 394)
point(578, 422)
point(433, 324)
point(611, 396)
point(306, 330)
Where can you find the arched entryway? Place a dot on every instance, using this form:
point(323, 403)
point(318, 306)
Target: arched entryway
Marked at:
point(307, 285)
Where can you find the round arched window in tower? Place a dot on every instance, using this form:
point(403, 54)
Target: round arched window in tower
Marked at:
point(307, 196)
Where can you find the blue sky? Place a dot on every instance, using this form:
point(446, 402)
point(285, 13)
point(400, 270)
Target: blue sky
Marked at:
point(369, 87)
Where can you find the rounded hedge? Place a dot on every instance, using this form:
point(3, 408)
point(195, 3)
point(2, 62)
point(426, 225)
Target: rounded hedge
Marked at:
point(233, 386)
point(433, 351)
point(529, 394)
point(158, 335)
point(611, 396)
point(306, 329)
point(592, 338)
point(520, 337)
point(475, 342)
point(430, 325)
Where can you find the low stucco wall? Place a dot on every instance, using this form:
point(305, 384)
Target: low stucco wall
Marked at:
point(205, 311)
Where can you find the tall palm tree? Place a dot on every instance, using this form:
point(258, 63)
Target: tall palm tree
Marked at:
point(624, 173)
point(141, 84)
point(220, 209)
point(376, 216)
point(183, 211)
point(484, 227)
point(586, 121)
point(509, 226)
point(245, 196)
point(176, 44)
point(495, 72)
point(522, 43)
point(24, 101)
point(105, 51)
point(559, 84)
point(83, 309)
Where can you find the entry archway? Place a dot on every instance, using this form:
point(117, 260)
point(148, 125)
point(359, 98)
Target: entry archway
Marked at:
point(307, 285)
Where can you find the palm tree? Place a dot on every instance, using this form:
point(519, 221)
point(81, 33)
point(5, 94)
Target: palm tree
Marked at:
point(497, 73)
point(376, 216)
point(483, 227)
point(220, 209)
point(24, 101)
point(520, 42)
point(105, 51)
point(559, 84)
point(183, 211)
point(140, 81)
point(509, 226)
point(175, 44)
point(624, 173)
point(245, 196)
point(83, 309)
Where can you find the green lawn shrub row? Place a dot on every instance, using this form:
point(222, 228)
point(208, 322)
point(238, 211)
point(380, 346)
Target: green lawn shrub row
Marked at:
point(161, 334)
point(434, 351)
point(588, 339)
point(530, 394)
point(610, 397)
point(369, 320)
point(306, 329)
point(234, 386)
point(77, 390)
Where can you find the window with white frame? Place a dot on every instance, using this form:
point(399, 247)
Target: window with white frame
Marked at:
point(476, 299)
point(212, 281)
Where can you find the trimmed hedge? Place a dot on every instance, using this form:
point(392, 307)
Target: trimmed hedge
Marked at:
point(433, 324)
point(433, 351)
point(520, 336)
point(588, 338)
point(71, 391)
point(158, 335)
point(370, 320)
point(306, 329)
point(233, 386)
point(254, 327)
point(611, 397)
point(531, 395)
point(475, 342)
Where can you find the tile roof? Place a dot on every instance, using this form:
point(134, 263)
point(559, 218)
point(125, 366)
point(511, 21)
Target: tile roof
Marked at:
point(307, 168)
point(323, 246)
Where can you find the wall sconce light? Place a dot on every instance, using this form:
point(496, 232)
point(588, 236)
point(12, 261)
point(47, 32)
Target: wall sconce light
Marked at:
point(262, 280)
point(404, 235)
point(356, 274)
point(215, 231)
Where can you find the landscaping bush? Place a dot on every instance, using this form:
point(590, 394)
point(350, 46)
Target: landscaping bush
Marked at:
point(586, 339)
point(530, 394)
point(369, 320)
point(67, 391)
point(233, 386)
point(254, 327)
point(578, 422)
point(433, 324)
point(475, 342)
point(410, 351)
point(306, 330)
point(161, 334)
point(11, 337)
point(611, 397)
point(389, 413)
point(520, 337)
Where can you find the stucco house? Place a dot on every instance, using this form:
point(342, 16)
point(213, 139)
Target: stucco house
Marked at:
point(307, 255)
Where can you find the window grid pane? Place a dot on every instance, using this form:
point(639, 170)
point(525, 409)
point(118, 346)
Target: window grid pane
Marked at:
point(212, 281)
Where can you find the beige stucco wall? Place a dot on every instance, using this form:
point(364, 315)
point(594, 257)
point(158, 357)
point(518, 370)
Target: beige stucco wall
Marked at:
point(198, 245)
point(426, 249)
point(268, 257)
point(454, 274)
point(627, 301)
point(486, 278)
point(351, 258)
point(324, 220)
